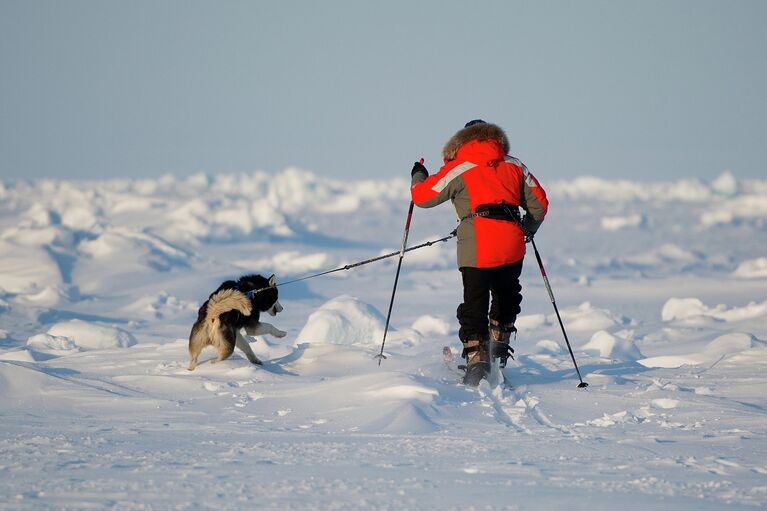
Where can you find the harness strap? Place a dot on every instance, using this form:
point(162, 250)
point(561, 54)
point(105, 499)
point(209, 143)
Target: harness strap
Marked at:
point(469, 349)
point(504, 329)
point(474, 346)
point(501, 349)
point(474, 215)
point(253, 292)
point(502, 352)
point(500, 335)
point(502, 211)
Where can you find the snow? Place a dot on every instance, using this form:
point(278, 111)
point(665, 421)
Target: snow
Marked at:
point(28, 270)
point(343, 320)
point(726, 184)
point(692, 309)
point(51, 344)
point(429, 324)
point(606, 345)
point(291, 262)
point(586, 318)
point(752, 269)
point(713, 352)
point(91, 336)
point(661, 287)
point(614, 223)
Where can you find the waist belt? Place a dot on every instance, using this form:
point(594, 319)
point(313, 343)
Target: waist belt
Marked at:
point(507, 212)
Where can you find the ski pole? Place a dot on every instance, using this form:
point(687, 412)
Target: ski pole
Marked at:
point(582, 384)
point(381, 356)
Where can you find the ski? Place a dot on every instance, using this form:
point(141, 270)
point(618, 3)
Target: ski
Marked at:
point(501, 377)
point(449, 359)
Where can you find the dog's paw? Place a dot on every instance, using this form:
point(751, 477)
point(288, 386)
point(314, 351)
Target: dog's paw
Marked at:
point(279, 333)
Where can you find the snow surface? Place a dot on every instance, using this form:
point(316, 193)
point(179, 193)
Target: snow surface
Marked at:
point(662, 287)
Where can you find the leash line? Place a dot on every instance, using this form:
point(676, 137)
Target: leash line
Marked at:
point(371, 260)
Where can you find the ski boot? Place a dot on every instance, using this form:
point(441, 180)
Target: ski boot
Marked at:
point(477, 356)
point(500, 341)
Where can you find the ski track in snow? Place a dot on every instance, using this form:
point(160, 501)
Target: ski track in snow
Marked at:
point(100, 283)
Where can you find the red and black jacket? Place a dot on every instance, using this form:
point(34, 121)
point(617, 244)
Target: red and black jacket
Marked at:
point(478, 176)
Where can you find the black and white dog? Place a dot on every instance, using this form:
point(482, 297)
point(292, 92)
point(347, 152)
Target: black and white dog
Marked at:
point(233, 306)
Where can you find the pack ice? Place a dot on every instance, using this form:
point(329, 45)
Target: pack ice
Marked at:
point(662, 288)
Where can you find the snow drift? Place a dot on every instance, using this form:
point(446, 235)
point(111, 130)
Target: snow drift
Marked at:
point(660, 286)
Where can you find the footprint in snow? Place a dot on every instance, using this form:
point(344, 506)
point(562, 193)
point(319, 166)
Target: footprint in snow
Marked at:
point(211, 386)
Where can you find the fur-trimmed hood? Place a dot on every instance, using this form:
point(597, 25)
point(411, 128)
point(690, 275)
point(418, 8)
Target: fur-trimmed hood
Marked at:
point(480, 132)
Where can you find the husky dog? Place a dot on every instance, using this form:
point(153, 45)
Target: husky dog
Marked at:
point(233, 306)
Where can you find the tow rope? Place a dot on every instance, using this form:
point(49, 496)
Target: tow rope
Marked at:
point(372, 260)
point(453, 234)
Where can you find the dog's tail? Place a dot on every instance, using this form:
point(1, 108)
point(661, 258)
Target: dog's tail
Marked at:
point(225, 301)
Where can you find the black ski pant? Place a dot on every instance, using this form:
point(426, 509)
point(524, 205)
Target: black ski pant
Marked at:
point(502, 282)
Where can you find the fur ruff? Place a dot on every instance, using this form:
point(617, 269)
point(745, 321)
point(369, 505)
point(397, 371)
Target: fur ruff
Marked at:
point(480, 132)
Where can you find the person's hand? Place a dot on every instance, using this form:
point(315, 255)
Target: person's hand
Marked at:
point(529, 227)
point(418, 167)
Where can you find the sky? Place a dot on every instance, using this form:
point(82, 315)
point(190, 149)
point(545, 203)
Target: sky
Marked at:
point(651, 90)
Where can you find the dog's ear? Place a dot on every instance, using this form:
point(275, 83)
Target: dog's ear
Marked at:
point(272, 281)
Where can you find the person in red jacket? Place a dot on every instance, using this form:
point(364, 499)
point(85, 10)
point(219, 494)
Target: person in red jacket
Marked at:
point(487, 187)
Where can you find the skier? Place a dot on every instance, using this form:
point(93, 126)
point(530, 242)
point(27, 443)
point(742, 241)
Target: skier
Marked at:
point(486, 187)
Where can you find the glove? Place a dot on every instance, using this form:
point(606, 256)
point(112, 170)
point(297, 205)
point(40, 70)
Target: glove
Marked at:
point(418, 167)
point(529, 227)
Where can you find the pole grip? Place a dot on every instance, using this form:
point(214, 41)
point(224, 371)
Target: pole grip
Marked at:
point(409, 217)
point(407, 223)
